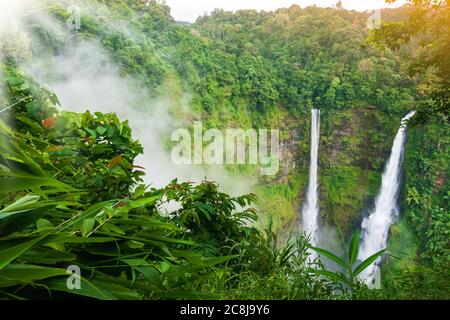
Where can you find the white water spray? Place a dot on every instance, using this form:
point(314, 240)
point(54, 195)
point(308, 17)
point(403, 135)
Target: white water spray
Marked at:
point(311, 207)
point(376, 225)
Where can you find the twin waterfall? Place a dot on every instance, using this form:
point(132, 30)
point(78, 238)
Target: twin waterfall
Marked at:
point(375, 227)
point(311, 207)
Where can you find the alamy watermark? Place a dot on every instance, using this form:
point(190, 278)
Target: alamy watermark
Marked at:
point(74, 280)
point(74, 21)
point(232, 146)
point(374, 20)
point(374, 279)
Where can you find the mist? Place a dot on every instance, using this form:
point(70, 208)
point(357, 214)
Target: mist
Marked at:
point(330, 239)
point(85, 77)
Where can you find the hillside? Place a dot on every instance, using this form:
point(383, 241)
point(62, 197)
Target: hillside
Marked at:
point(246, 69)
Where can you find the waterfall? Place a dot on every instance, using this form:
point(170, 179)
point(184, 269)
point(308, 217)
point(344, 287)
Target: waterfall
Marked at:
point(376, 226)
point(311, 208)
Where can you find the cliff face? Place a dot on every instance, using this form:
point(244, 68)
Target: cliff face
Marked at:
point(354, 147)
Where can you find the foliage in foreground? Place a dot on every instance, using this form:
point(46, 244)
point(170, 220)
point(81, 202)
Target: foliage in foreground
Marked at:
point(71, 197)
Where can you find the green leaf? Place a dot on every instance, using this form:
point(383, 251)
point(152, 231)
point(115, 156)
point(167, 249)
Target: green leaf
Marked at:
point(91, 132)
point(34, 125)
point(141, 202)
point(99, 149)
point(217, 260)
point(207, 210)
point(87, 226)
point(354, 248)
point(110, 133)
point(331, 256)
point(366, 263)
point(44, 224)
point(33, 109)
point(89, 213)
point(10, 254)
point(61, 238)
point(28, 273)
point(23, 87)
point(20, 183)
point(112, 229)
point(20, 221)
point(14, 79)
point(87, 289)
point(335, 276)
point(101, 130)
point(119, 291)
point(21, 205)
point(135, 244)
point(46, 255)
point(147, 270)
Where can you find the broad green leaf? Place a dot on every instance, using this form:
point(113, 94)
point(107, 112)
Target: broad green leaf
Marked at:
point(87, 226)
point(91, 132)
point(164, 266)
point(147, 270)
point(67, 237)
point(34, 125)
point(366, 263)
point(4, 283)
point(20, 221)
point(135, 244)
point(47, 255)
point(23, 204)
point(10, 254)
point(108, 250)
point(28, 273)
point(44, 224)
point(331, 256)
point(89, 213)
point(111, 228)
point(101, 130)
point(354, 247)
point(217, 260)
point(19, 183)
point(145, 221)
point(141, 202)
point(99, 149)
point(14, 79)
point(335, 276)
point(207, 209)
point(118, 291)
point(87, 289)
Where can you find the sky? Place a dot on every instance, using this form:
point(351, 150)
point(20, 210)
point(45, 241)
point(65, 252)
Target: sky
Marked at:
point(189, 10)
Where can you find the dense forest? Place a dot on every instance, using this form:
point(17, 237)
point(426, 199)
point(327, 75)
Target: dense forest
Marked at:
point(73, 190)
